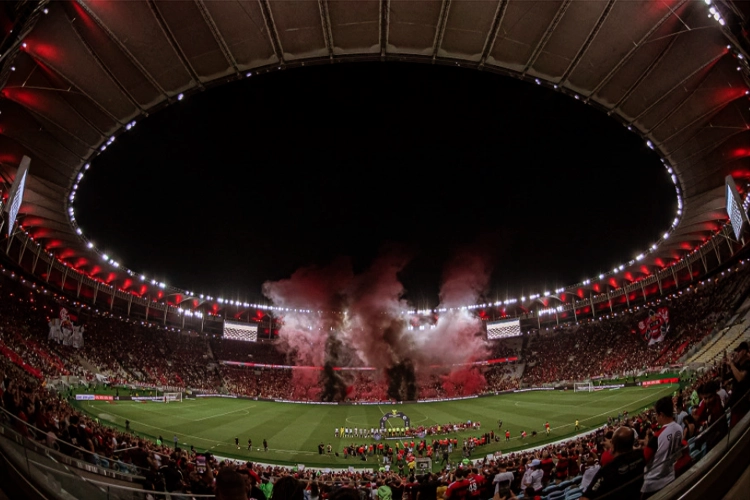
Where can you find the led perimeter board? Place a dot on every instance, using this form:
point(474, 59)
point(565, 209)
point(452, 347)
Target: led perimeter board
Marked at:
point(503, 329)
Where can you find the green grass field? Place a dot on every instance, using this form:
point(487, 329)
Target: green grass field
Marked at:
point(294, 431)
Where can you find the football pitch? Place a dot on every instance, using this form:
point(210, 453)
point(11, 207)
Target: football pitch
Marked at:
point(294, 431)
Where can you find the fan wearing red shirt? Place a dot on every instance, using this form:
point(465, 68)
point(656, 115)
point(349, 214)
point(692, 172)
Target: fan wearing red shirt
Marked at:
point(547, 466)
point(476, 483)
point(458, 489)
point(562, 466)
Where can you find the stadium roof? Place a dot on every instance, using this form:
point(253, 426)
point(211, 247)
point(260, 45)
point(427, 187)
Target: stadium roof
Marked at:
point(76, 74)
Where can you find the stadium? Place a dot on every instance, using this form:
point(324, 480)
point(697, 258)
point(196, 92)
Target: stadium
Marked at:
point(330, 381)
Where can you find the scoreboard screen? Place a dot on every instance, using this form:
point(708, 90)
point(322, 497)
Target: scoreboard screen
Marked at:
point(235, 330)
point(735, 211)
point(15, 197)
point(503, 329)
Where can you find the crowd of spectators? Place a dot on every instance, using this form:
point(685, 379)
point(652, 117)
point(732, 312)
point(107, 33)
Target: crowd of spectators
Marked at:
point(126, 351)
point(612, 346)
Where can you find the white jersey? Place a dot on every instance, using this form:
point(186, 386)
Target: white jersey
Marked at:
point(660, 471)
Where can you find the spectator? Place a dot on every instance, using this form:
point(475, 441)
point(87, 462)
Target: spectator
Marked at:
point(660, 452)
point(622, 477)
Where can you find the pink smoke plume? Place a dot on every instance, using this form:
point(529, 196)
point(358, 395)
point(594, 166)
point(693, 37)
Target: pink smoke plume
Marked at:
point(366, 313)
point(321, 291)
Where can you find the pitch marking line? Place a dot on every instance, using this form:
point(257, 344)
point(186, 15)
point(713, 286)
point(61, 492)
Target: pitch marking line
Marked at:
point(597, 416)
point(227, 413)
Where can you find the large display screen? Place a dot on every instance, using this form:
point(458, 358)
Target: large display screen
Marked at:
point(240, 331)
point(16, 193)
point(734, 207)
point(503, 329)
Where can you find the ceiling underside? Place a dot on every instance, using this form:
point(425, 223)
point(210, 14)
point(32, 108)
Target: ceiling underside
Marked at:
point(91, 67)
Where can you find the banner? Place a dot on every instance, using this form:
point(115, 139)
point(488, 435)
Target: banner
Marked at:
point(654, 328)
point(63, 331)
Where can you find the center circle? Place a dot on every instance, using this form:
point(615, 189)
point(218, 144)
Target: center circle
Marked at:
point(249, 181)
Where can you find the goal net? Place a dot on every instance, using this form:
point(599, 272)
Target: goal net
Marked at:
point(583, 387)
point(173, 397)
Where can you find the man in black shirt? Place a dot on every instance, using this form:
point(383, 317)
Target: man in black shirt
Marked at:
point(622, 478)
point(739, 367)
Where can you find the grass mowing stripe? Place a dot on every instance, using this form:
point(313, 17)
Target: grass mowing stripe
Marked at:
point(297, 429)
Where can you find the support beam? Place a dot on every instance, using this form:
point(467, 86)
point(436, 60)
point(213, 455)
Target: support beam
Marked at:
point(23, 250)
point(658, 280)
point(593, 309)
point(130, 303)
point(636, 46)
point(440, 31)
point(96, 292)
point(676, 281)
point(80, 283)
point(217, 35)
point(716, 249)
point(10, 241)
point(36, 258)
point(133, 60)
point(643, 290)
point(271, 28)
point(49, 267)
point(166, 310)
point(385, 19)
point(681, 87)
point(64, 276)
point(489, 42)
point(547, 34)
point(173, 42)
point(587, 43)
point(325, 22)
point(703, 258)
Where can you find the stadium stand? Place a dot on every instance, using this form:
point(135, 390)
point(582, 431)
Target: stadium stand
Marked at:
point(130, 352)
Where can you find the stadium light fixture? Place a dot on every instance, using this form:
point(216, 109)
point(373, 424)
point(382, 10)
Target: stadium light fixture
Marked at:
point(105, 256)
point(90, 245)
point(180, 97)
point(666, 236)
point(78, 231)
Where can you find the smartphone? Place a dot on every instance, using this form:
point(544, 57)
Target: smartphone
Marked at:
point(200, 464)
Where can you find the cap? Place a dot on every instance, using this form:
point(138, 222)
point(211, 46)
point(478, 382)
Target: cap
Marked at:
point(535, 462)
point(741, 347)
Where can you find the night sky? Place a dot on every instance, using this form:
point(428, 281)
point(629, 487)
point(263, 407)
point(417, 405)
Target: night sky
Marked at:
point(249, 181)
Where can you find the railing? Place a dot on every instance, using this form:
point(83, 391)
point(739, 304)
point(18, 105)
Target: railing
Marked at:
point(58, 480)
point(100, 465)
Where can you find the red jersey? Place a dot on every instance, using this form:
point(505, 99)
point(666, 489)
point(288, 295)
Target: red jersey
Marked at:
point(476, 483)
point(457, 489)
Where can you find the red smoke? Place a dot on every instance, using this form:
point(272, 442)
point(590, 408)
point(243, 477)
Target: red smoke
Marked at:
point(366, 312)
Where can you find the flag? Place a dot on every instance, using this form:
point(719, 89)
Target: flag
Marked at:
point(654, 328)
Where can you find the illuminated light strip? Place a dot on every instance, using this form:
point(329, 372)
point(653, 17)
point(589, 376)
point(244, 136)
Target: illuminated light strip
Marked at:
point(244, 364)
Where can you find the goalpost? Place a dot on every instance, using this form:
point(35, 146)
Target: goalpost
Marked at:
point(173, 397)
point(583, 387)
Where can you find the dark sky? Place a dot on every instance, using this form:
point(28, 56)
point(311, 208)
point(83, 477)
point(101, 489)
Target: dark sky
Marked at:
point(249, 181)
